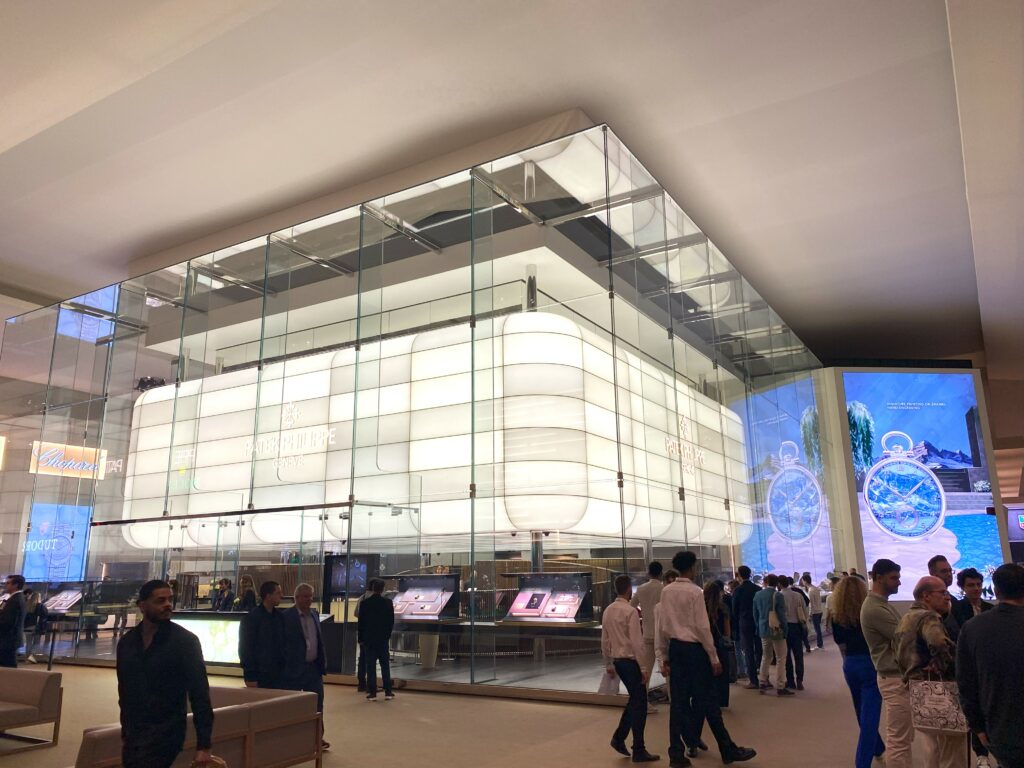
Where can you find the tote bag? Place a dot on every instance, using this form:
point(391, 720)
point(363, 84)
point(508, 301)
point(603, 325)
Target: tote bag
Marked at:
point(935, 707)
point(778, 632)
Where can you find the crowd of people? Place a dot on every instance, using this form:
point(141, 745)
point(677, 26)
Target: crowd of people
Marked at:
point(696, 635)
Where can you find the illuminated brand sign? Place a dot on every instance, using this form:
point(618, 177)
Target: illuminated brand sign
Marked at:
point(67, 460)
point(690, 454)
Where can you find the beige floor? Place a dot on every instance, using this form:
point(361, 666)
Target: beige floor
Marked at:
point(814, 729)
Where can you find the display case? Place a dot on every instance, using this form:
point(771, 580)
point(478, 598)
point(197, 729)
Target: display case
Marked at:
point(426, 597)
point(552, 598)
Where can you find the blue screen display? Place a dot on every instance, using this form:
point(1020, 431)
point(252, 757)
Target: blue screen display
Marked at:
point(56, 544)
point(922, 476)
point(791, 529)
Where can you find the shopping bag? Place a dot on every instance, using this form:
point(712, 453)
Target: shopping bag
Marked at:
point(935, 707)
point(609, 683)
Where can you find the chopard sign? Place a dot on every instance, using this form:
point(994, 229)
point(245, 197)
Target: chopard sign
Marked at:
point(67, 460)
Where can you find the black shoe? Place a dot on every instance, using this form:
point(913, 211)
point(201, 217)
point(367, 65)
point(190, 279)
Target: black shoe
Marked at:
point(785, 692)
point(739, 755)
point(360, 689)
point(389, 696)
point(619, 745)
point(680, 762)
point(692, 751)
point(791, 686)
point(324, 745)
point(371, 697)
point(799, 686)
point(643, 756)
point(701, 745)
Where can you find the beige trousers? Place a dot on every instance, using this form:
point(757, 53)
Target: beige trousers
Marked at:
point(945, 751)
point(899, 730)
point(778, 648)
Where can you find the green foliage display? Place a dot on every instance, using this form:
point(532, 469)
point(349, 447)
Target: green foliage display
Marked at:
point(862, 435)
point(810, 433)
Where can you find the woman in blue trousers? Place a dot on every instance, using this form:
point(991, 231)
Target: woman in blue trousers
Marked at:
point(857, 667)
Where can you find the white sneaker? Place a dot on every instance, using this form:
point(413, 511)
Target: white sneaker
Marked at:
point(983, 762)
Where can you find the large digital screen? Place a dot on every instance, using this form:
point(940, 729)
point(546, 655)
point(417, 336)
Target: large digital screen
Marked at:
point(218, 637)
point(791, 531)
point(921, 472)
point(55, 547)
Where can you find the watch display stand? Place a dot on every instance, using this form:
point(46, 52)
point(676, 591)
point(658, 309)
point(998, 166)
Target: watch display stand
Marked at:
point(430, 597)
point(552, 598)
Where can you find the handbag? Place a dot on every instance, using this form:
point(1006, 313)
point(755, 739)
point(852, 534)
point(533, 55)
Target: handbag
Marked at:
point(608, 684)
point(778, 632)
point(935, 707)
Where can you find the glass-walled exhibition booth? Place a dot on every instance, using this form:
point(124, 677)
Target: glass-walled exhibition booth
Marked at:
point(496, 390)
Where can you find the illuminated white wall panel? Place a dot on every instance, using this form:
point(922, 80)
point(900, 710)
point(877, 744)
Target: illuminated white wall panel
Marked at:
point(534, 407)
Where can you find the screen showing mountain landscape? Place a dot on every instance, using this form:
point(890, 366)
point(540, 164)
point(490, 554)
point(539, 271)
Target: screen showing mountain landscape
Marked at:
point(923, 484)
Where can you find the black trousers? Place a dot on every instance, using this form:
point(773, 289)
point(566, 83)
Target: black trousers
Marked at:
point(816, 620)
point(693, 700)
point(795, 657)
point(634, 714)
point(377, 652)
point(361, 668)
point(308, 678)
point(155, 746)
point(750, 648)
point(9, 657)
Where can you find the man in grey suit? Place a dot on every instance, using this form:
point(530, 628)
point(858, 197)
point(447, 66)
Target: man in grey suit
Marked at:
point(12, 620)
point(304, 661)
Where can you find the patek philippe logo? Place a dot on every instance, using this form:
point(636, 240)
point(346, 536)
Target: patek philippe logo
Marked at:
point(290, 415)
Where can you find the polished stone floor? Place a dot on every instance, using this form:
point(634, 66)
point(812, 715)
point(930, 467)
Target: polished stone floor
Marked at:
point(814, 729)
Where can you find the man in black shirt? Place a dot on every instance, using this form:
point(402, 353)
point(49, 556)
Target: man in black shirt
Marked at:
point(159, 665)
point(743, 621)
point(261, 640)
point(990, 669)
point(376, 621)
point(12, 620)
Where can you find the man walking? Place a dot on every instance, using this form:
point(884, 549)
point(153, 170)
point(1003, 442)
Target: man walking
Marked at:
point(261, 640)
point(304, 661)
point(768, 603)
point(879, 621)
point(924, 650)
point(376, 622)
point(12, 620)
point(796, 618)
point(622, 645)
point(646, 597)
point(815, 607)
point(743, 620)
point(159, 669)
point(685, 639)
point(990, 669)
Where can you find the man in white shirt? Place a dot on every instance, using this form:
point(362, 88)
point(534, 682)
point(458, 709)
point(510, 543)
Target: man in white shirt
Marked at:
point(689, 661)
point(796, 616)
point(815, 608)
point(622, 645)
point(646, 598)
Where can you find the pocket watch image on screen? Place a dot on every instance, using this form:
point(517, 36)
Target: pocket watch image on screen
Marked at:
point(904, 496)
point(794, 497)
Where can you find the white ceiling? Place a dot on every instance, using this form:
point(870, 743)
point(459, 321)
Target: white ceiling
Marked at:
point(818, 143)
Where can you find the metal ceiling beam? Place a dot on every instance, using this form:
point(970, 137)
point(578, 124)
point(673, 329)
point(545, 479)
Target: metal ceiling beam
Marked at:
point(403, 228)
point(615, 201)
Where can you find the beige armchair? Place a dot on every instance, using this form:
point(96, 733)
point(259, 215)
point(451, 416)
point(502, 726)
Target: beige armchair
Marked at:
point(29, 697)
point(252, 728)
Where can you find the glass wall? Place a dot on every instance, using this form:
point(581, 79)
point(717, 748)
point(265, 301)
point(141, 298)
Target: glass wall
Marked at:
point(496, 391)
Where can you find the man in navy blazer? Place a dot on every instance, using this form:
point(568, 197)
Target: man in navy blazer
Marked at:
point(304, 660)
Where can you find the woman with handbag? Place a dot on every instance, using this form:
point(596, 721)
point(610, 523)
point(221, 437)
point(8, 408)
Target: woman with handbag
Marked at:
point(925, 654)
point(858, 669)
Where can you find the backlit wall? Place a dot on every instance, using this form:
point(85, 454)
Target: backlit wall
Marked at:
point(541, 406)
